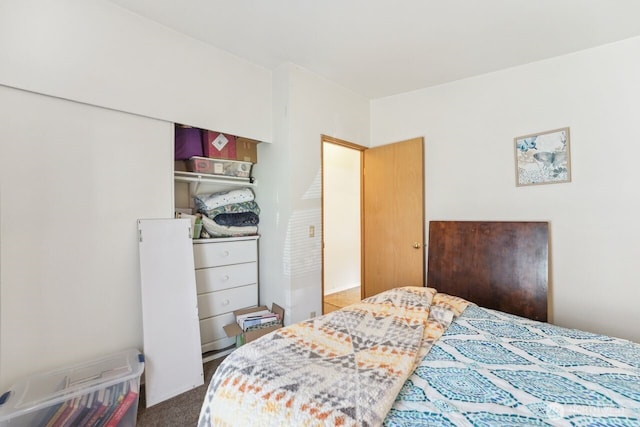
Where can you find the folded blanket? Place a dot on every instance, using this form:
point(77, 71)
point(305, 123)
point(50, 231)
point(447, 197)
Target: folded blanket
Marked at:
point(217, 230)
point(343, 368)
point(241, 219)
point(206, 202)
point(242, 207)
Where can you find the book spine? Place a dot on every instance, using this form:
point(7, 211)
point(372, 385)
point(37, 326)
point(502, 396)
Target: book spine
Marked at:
point(103, 402)
point(78, 406)
point(122, 408)
point(97, 415)
point(90, 406)
point(51, 412)
point(118, 395)
point(61, 409)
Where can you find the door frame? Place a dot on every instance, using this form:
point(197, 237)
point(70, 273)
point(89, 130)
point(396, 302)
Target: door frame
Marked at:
point(331, 140)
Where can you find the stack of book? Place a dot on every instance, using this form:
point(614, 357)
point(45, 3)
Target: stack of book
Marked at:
point(258, 320)
point(105, 407)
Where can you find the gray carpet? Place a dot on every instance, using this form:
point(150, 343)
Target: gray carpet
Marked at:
point(180, 411)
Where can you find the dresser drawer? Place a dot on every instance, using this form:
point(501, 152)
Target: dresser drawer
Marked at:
point(229, 276)
point(217, 344)
point(215, 254)
point(226, 301)
point(211, 328)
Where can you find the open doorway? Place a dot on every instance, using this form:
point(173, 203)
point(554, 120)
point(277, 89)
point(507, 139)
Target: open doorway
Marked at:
point(341, 223)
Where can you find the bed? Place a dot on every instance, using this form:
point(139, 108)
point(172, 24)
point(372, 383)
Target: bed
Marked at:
point(420, 356)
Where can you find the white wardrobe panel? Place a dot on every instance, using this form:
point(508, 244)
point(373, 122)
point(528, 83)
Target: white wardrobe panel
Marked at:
point(173, 359)
point(74, 180)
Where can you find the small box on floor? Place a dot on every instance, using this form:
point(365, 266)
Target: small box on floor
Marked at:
point(252, 323)
point(103, 391)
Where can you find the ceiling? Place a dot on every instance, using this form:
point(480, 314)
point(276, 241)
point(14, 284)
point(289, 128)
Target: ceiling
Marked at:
point(379, 48)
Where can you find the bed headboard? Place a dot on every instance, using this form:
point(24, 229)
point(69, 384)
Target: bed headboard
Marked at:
point(499, 265)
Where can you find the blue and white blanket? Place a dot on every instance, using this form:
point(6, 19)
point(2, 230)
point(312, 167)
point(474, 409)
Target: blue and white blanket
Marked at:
point(495, 369)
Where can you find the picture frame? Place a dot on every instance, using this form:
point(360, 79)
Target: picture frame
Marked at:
point(543, 158)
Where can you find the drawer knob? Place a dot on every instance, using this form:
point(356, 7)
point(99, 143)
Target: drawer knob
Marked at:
point(226, 302)
point(225, 253)
point(225, 277)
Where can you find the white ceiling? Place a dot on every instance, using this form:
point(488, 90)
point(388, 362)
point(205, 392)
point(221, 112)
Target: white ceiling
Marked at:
point(384, 47)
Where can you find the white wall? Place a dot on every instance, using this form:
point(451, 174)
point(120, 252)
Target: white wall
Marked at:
point(305, 106)
point(98, 53)
point(272, 173)
point(469, 128)
point(341, 217)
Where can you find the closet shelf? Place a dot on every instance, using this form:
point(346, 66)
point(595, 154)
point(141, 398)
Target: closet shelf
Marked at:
point(195, 177)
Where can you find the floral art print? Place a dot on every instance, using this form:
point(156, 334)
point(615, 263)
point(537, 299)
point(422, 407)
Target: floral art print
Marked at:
point(543, 158)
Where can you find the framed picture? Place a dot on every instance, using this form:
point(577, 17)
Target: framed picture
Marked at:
point(543, 158)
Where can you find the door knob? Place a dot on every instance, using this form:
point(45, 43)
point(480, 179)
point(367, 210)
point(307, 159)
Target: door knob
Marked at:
point(416, 245)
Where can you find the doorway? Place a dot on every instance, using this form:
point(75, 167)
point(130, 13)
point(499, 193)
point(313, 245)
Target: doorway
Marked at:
point(376, 227)
point(342, 224)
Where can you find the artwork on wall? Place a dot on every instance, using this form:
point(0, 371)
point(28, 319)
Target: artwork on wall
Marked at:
point(543, 158)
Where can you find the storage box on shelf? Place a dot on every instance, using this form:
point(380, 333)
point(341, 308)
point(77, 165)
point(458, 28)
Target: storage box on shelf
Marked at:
point(219, 167)
point(218, 145)
point(188, 142)
point(247, 150)
point(191, 141)
point(103, 391)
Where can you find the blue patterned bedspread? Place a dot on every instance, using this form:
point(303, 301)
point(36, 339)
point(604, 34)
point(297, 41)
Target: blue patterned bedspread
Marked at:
point(495, 369)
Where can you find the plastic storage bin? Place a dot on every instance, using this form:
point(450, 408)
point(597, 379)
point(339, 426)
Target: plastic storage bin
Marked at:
point(219, 167)
point(100, 392)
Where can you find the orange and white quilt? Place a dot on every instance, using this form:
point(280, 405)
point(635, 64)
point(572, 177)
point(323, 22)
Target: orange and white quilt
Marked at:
point(341, 369)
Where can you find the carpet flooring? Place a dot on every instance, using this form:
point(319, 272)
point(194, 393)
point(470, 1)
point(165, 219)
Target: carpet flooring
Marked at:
point(182, 410)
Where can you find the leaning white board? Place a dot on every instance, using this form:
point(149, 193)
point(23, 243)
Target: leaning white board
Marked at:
point(173, 358)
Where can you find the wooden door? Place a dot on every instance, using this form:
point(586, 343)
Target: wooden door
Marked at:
point(393, 217)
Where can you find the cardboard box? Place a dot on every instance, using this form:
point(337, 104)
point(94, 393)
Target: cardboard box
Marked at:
point(219, 167)
point(242, 337)
point(247, 150)
point(180, 165)
point(218, 145)
point(78, 394)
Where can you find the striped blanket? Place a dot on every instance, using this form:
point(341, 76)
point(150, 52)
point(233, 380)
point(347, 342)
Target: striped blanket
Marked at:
point(344, 368)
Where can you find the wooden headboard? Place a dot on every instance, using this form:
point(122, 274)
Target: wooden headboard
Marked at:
point(499, 265)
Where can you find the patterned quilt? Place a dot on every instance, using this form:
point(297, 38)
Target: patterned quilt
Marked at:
point(494, 369)
point(342, 369)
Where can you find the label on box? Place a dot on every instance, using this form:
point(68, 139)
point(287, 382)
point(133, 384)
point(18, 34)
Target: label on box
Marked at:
point(218, 168)
point(220, 142)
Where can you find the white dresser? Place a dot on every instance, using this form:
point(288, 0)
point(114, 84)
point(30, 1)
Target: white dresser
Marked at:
point(226, 280)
